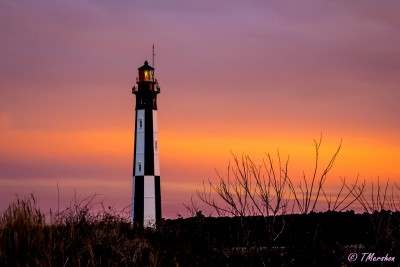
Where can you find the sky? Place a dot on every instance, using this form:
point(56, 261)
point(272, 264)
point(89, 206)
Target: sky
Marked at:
point(242, 77)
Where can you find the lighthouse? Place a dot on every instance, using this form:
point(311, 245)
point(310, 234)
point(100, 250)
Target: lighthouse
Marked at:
point(146, 191)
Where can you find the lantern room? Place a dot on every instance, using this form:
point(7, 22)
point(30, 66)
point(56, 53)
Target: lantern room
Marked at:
point(146, 73)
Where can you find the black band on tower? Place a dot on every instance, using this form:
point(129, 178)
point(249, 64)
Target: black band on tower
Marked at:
point(139, 199)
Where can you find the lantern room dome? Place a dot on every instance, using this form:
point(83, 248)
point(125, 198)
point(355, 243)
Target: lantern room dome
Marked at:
point(146, 66)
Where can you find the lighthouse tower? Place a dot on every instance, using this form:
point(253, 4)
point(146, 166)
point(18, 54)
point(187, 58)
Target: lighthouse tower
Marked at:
point(146, 192)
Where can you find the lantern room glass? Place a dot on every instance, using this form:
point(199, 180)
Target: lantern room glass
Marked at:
point(146, 75)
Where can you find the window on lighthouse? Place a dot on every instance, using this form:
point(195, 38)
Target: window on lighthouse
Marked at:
point(139, 166)
point(140, 124)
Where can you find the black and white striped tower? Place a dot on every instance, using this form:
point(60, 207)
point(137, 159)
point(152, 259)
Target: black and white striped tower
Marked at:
point(146, 191)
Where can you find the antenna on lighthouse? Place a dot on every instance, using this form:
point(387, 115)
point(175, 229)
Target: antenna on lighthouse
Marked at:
point(153, 57)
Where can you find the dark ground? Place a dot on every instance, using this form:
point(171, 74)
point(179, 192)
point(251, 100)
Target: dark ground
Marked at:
point(315, 239)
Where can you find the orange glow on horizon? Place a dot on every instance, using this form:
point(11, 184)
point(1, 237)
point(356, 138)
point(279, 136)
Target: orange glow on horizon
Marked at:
point(357, 156)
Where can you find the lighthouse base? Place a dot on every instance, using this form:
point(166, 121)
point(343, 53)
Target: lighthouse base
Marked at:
point(146, 204)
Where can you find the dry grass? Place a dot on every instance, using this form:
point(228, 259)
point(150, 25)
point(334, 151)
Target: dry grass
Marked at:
point(79, 236)
point(74, 237)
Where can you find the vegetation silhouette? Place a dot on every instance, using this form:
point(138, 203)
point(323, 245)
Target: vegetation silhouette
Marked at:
point(263, 219)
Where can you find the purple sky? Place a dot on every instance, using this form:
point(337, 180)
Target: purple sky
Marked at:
point(261, 74)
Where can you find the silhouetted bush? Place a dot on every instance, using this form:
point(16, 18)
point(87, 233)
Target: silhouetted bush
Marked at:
point(78, 236)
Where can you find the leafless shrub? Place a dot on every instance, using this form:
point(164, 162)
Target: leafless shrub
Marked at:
point(246, 190)
point(307, 193)
point(267, 190)
point(379, 202)
point(394, 198)
point(345, 197)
